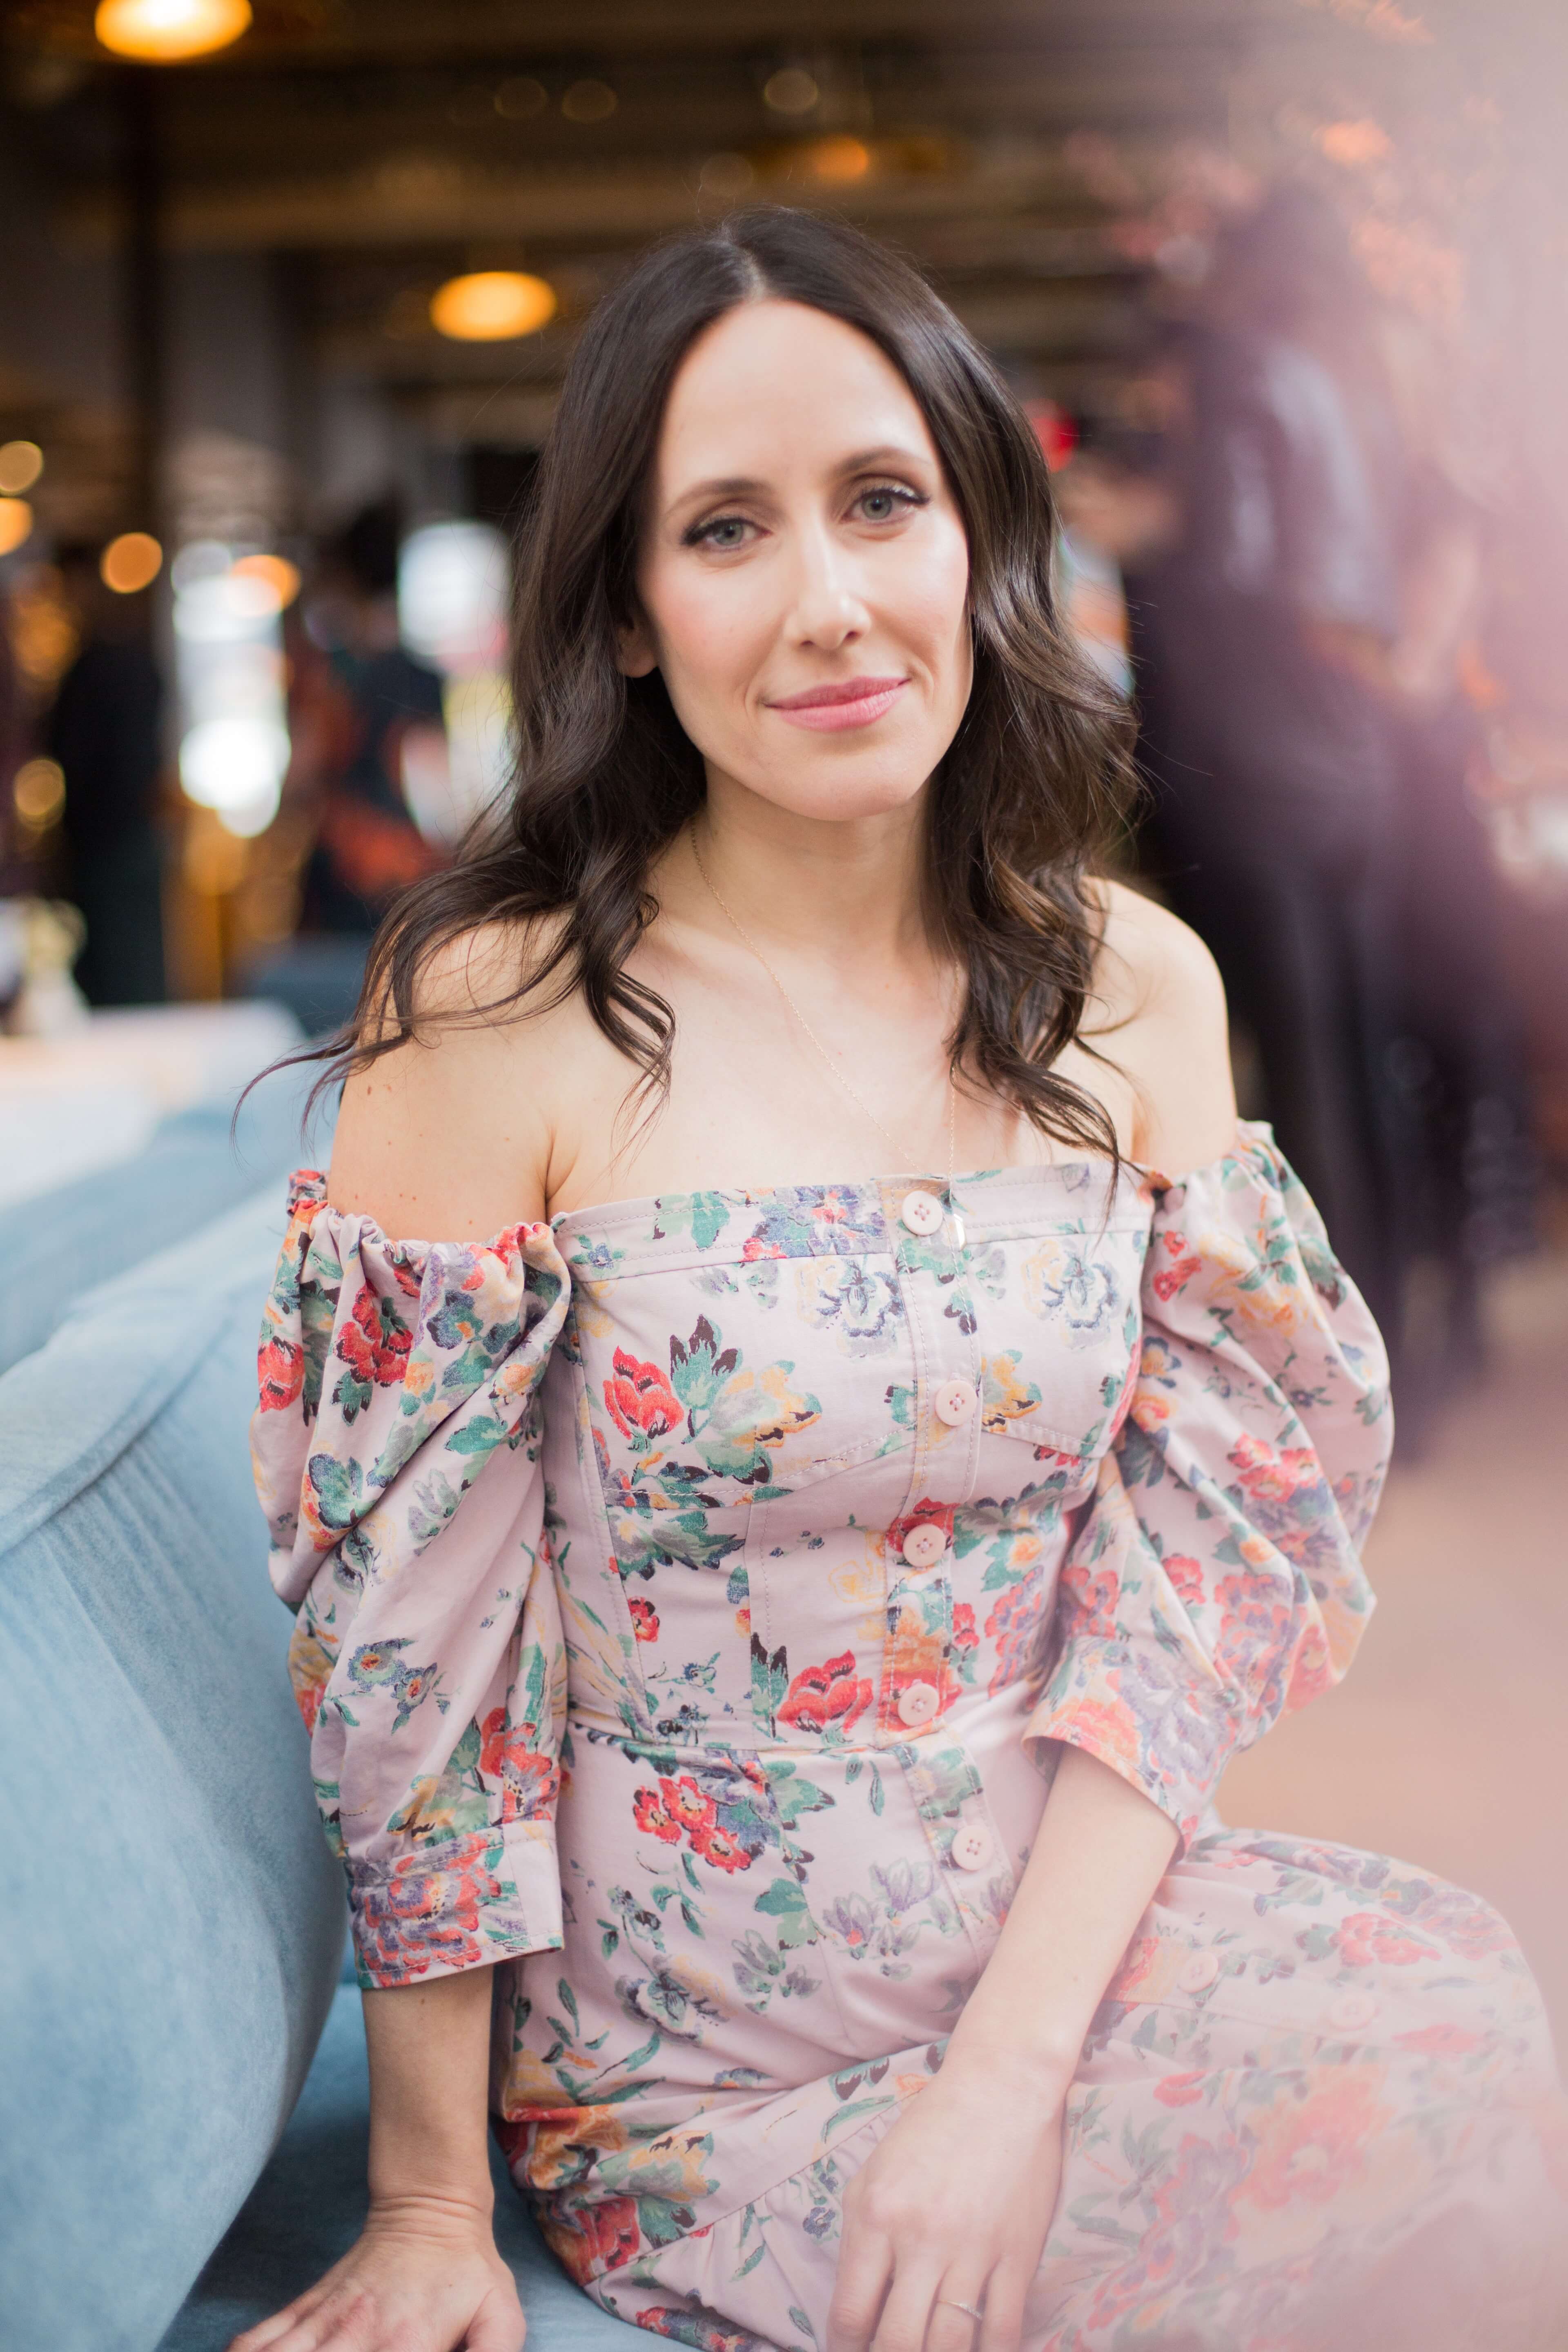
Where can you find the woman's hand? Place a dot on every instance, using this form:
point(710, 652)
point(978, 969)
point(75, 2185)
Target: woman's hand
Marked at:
point(954, 2207)
point(424, 2277)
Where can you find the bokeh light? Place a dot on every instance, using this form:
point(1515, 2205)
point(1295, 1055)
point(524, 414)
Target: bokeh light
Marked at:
point(277, 574)
point(130, 562)
point(837, 160)
point(163, 31)
point(21, 463)
point(490, 306)
point(38, 793)
point(790, 90)
point(16, 523)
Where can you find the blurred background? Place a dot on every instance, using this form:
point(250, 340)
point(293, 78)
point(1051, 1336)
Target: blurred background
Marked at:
point(287, 291)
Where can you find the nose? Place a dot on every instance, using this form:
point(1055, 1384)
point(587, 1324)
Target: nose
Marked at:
point(826, 609)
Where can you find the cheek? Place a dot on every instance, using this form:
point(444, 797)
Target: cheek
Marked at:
point(933, 599)
point(707, 625)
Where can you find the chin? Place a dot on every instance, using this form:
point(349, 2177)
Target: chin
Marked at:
point(853, 785)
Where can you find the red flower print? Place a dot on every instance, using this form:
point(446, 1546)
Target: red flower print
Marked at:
point(507, 1753)
point(1271, 1477)
point(1440, 2041)
point(1092, 1595)
point(649, 1811)
point(596, 2237)
point(1367, 1938)
point(1310, 2148)
point(644, 1620)
point(372, 1343)
point(1187, 1574)
point(641, 1401)
point(964, 1637)
point(1171, 1278)
point(689, 1806)
point(1180, 2089)
point(716, 1845)
point(826, 1699)
point(282, 1366)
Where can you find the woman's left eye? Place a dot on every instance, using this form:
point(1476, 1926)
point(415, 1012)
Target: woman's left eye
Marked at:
point(888, 499)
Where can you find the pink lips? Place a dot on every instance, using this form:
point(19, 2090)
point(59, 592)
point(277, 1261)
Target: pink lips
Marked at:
point(851, 702)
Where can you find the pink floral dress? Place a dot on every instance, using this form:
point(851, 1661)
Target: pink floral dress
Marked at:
point(693, 1598)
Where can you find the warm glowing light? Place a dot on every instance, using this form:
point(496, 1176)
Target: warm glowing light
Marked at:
point(165, 31)
point(132, 561)
point(39, 792)
point(21, 463)
point(589, 102)
point(840, 159)
point(1353, 143)
point(521, 98)
point(16, 523)
point(490, 306)
point(277, 574)
point(790, 90)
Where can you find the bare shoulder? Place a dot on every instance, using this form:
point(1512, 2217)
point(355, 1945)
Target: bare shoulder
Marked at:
point(1161, 1015)
point(446, 1136)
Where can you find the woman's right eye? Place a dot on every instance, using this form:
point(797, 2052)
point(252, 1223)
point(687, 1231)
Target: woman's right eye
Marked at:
point(723, 531)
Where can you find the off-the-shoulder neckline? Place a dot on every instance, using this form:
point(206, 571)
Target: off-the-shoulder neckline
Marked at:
point(754, 1196)
point(670, 1205)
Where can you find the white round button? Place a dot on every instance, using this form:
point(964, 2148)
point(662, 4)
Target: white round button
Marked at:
point(924, 1545)
point(1199, 1972)
point(923, 1212)
point(971, 1846)
point(917, 1702)
point(1350, 2010)
point(954, 1402)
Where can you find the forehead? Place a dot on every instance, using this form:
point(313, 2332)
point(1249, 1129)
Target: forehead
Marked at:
point(775, 386)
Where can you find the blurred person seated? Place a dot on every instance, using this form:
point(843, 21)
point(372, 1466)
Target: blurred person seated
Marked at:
point(104, 730)
point(362, 714)
point(1262, 639)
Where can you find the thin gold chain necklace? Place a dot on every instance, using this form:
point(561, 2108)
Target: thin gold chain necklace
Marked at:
point(830, 1061)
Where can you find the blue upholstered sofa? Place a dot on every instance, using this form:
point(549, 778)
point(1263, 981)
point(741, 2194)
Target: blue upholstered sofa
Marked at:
point(182, 2103)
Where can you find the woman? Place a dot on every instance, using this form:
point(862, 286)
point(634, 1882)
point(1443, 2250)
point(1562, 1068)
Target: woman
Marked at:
point(779, 1632)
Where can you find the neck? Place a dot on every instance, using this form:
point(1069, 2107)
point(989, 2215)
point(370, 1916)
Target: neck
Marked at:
point(847, 891)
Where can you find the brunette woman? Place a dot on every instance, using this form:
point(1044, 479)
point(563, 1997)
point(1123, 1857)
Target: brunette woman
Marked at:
point(776, 1603)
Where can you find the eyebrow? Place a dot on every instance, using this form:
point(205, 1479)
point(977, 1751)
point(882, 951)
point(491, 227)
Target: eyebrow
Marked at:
point(735, 485)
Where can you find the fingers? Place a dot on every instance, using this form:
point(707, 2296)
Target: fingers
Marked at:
point(865, 2267)
point(267, 2333)
point(907, 2314)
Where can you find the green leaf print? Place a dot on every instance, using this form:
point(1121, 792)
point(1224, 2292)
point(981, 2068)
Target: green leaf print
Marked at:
point(752, 2259)
point(480, 1435)
point(700, 1369)
point(878, 1794)
point(793, 1794)
point(770, 1678)
point(338, 1487)
point(858, 2109)
point(784, 1902)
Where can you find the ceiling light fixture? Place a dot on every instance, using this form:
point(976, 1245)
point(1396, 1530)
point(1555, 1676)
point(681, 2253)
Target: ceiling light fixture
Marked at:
point(490, 306)
point(165, 32)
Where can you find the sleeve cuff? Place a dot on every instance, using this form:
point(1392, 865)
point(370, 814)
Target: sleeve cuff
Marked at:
point(1143, 1715)
point(465, 1903)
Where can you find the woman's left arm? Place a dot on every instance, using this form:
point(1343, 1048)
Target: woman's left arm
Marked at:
point(988, 2128)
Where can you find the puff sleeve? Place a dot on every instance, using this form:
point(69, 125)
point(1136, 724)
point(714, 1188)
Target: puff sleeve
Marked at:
point(1215, 1581)
point(394, 1447)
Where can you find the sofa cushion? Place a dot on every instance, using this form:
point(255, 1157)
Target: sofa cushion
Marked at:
point(54, 1248)
point(174, 1921)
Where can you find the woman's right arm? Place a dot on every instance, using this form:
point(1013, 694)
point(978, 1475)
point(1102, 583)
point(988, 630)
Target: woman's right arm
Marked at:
point(396, 1377)
point(424, 2275)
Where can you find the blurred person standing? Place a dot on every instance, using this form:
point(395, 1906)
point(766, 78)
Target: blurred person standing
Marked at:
point(1265, 636)
point(361, 708)
point(104, 730)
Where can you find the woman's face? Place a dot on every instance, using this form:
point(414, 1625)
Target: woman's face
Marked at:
point(803, 575)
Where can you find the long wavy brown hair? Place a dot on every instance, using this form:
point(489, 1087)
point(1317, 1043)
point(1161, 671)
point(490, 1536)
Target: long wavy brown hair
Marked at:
point(1030, 792)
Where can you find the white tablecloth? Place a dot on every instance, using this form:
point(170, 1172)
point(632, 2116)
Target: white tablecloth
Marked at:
point(71, 1104)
